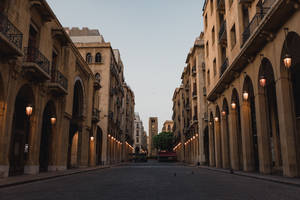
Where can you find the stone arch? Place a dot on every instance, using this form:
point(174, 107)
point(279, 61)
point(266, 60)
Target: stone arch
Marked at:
point(48, 134)
point(267, 114)
point(249, 127)
point(20, 144)
point(76, 124)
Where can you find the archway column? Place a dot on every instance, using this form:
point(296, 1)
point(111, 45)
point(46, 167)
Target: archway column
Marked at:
point(287, 127)
point(54, 151)
point(224, 142)
point(247, 140)
point(218, 144)
point(62, 143)
point(211, 146)
point(233, 144)
point(263, 134)
point(34, 138)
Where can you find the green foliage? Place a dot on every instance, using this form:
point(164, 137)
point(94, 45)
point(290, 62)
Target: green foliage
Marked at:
point(164, 141)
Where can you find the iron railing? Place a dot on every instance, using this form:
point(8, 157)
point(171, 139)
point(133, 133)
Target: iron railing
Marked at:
point(263, 8)
point(222, 30)
point(10, 31)
point(35, 56)
point(224, 67)
point(58, 77)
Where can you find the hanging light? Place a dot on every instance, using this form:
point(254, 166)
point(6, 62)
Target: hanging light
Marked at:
point(216, 119)
point(287, 60)
point(92, 138)
point(262, 81)
point(53, 120)
point(223, 113)
point(210, 123)
point(245, 95)
point(29, 109)
point(233, 105)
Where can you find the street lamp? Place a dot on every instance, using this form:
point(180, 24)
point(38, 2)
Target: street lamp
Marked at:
point(29, 109)
point(216, 119)
point(92, 138)
point(245, 95)
point(233, 105)
point(223, 113)
point(53, 120)
point(262, 81)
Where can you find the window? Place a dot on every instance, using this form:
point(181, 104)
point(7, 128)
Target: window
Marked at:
point(208, 77)
point(213, 35)
point(233, 36)
point(137, 133)
point(230, 2)
point(98, 77)
point(137, 140)
point(215, 67)
point(98, 58)
point(205, 21)
point(89, 58)
point(207, 50)
point(211, 6)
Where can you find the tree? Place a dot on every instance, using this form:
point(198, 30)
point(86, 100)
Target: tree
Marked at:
point(164, 141)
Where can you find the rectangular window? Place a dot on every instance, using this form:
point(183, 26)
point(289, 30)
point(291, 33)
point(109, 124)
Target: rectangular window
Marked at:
point(205, 21)
point(233, 36)
point(213, 35)
point(208, 77)
point(215, 67)
point(207, 50)
point(137, 140)
point(211, 6)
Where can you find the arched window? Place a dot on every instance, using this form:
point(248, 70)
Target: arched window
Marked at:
point(89, 58)
point(98, 58)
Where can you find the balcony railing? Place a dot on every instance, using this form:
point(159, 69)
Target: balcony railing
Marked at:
point(33, 55)
point(224, 67)
point(222, 32)
point(263, 9)
point(10, 32)
point(59, 78)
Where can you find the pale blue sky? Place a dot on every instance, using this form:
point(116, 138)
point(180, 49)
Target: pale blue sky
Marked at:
point(153, 36)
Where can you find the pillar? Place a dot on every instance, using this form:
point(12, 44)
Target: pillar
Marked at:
point(211, 146)
point(234, 146)
point(287, 127)
point(263, 128)
point(225, 143)
point(218, 145)
point(247, 140)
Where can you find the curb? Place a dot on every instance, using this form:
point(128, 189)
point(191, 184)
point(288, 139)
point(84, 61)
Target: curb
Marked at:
point(259, 177)
point(50, 177)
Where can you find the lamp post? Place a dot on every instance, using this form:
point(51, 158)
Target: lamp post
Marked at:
point(262, 81)
point(245, 95)
point(233, 105)
point(53, 120)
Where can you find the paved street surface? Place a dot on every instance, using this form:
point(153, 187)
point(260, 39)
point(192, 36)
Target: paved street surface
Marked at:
point(151, 181)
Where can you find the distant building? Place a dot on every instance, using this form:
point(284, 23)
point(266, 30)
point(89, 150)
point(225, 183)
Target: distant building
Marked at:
point(140, 138)
point(168, 126)
point(153, 130)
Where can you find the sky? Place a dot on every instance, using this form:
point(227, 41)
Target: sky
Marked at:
point(153, 36)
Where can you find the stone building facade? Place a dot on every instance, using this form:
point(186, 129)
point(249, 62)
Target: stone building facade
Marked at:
point(139, 135)
point(168, 126)
point(47, 93)
point(189, 107)
point(153, 130)
point(116, 99)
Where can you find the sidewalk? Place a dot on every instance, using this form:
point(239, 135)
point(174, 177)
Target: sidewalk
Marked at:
point(273, 178)
point(22, 179)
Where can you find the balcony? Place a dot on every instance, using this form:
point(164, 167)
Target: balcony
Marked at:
point(36, 65)
point(194, 71)
point(221, 6)
point(59, 83)
point(96, 115)
point(224, 67)
point(194, 94)
point(223, 33)
point(10, 37)
point(252, 26)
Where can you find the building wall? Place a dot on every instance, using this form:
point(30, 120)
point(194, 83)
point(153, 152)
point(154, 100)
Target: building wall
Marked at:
point(153, 130)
